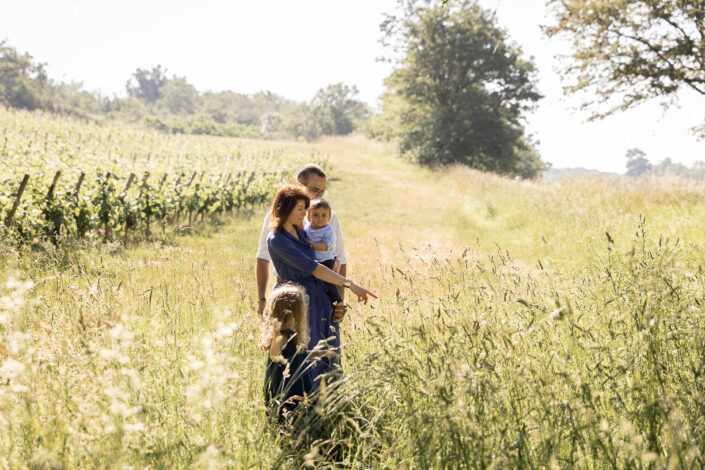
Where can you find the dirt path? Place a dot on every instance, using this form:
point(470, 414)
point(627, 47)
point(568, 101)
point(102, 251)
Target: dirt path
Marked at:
point(391, 209)
point(387, 204)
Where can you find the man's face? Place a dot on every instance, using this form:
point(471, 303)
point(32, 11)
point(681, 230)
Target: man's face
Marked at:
point(316, 186)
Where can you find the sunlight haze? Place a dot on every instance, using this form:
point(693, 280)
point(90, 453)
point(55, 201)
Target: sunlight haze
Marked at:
point(296, 48)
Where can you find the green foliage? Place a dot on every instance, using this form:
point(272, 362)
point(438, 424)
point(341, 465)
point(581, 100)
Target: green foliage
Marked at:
point(337, 109)
point(637, 164)
point(629, 51)
point(146, 84)
point(226, 179)
point(177, 96)
point(299, 120)
point(460, 89)
point(23, 83)
point(667, 167)
point(174, 106)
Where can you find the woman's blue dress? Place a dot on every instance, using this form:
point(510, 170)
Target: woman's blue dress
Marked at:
point(278, 389)
point(294, 260)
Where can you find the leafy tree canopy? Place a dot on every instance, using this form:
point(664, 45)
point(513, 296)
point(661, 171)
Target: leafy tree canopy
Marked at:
point(178, 96)
point(145, 84)
point(637, 163)
point(460, 88)
point(628, 51)
point(23, 83)
point(338, 108)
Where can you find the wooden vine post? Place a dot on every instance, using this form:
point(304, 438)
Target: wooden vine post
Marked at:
point(175, 217)
point(75, 192)
point(144, 181)
point(16, 204)
point(127, 186)
point(106, 228)
point(189, 209)
point(50, 193)
point(163, 221)
point(80, 182)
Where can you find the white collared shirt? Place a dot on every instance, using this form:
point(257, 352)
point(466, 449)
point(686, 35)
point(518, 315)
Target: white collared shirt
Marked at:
point(263, 252)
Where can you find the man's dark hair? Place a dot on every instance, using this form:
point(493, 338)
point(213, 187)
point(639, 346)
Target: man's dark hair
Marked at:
point(307, 170)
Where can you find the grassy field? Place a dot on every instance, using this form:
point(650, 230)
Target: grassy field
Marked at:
point(519, 325)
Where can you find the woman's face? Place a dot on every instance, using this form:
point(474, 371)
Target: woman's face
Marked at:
point(297, 215)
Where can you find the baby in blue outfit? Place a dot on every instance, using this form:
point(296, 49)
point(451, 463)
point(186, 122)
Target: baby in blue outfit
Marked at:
point(322, 239)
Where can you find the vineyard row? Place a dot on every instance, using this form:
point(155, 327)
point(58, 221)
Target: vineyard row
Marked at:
point(110, 204)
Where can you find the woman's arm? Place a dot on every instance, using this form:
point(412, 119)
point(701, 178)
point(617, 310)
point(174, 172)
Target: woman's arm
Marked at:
point(328, 275)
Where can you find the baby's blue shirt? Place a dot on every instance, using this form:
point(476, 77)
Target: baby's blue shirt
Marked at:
point(324, 234)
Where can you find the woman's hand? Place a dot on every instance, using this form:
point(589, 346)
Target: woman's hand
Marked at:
point(361, 292)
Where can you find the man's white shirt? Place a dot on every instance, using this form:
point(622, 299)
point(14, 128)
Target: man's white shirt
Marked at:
point(263, 251)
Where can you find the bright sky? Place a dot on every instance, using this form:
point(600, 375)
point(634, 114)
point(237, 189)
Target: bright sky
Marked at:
point(296, 47)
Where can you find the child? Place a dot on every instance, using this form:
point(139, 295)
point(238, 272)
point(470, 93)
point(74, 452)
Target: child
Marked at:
point(287, 378)
point(322, 239)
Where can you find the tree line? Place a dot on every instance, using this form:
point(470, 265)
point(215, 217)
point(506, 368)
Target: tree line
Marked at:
point(459, 92)
point(173, 105)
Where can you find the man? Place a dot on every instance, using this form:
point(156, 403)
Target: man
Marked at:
point(313, 179)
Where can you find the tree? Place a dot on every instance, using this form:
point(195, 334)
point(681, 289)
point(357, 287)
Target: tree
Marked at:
point(145, 84)
point(23, 83)
point(337, 109)
point(300, 121)
point(459, 89)
point(178, 96)
point(637, 163)
point(628, 51)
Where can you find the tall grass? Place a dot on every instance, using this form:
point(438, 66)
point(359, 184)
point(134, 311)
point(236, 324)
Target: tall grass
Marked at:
point(585, 351)
point(481, 363)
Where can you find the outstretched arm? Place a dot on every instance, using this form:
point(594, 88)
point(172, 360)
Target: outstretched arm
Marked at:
point(328, 275)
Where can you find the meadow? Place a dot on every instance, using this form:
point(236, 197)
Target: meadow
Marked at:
point(520, 324)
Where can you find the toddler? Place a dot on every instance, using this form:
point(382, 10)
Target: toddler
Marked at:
point(322, 239)
point(287, 378)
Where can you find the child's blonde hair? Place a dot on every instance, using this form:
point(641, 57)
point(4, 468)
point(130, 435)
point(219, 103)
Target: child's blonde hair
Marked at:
point(289, 307)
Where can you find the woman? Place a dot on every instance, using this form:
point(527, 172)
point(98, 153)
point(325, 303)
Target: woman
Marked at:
point(295, 261)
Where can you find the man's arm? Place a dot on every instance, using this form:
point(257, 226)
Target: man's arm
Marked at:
point(339, 250)
point(262, 266)
point(262, 275)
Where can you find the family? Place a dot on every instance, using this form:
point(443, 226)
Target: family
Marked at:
point(301, 237)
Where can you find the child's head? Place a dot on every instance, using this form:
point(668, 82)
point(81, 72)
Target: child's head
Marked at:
point(288, 306)
point(319, 213)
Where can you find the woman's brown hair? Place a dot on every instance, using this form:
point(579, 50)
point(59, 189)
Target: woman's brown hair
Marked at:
point(289, 307)
point(284, 203)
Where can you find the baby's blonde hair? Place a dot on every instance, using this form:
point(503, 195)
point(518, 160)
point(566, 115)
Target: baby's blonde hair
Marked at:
point(288, 306)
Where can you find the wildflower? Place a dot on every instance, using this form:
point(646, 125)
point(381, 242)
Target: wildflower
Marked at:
point(208, 458)
point(312, 457)
point(557, 314)
point(11, 369)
